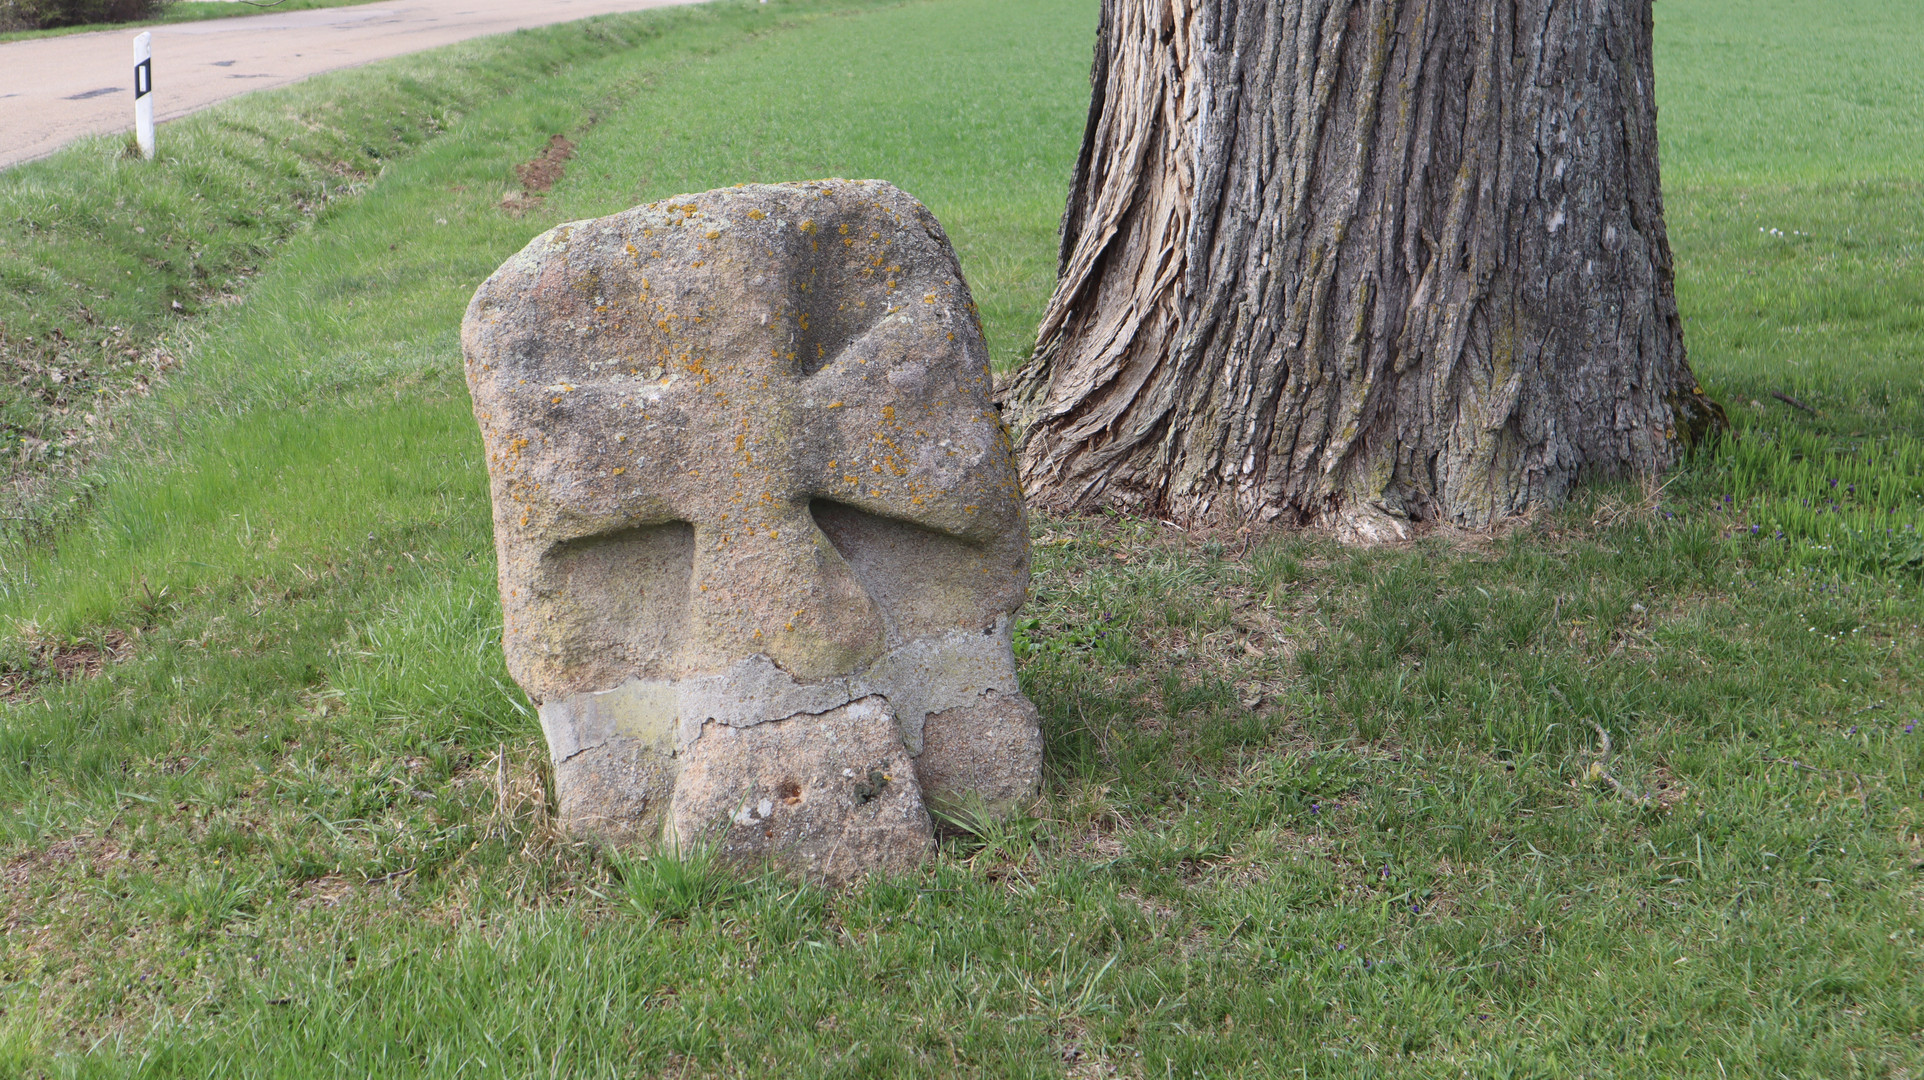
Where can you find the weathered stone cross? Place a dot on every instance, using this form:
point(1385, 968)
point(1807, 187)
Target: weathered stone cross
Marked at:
point(746, 468)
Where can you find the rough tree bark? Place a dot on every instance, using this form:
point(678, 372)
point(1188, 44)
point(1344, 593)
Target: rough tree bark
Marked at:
point(1360, 262)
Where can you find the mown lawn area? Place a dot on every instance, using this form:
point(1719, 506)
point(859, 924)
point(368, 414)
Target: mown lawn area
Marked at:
point(270, 805)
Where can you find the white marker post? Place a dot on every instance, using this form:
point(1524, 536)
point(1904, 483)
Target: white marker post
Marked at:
point(144, 94)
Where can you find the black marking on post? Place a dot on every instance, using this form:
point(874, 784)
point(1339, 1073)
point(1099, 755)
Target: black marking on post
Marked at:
point(143, 79)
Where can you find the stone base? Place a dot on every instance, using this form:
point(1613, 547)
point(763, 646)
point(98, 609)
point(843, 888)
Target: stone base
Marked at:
point(986, 756)
point(614, 766)
point(829, 796)
point(617, 793)
point(825, 777)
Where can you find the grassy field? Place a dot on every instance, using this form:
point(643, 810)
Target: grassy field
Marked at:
point(269, 804)
point(108, 262)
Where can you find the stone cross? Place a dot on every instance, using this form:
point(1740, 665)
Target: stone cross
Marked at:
point(758, 524)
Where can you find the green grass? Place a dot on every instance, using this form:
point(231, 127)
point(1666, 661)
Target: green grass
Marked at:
point(1310, 811)
point(1793, 152)
point(109, 263)
point(180, 11)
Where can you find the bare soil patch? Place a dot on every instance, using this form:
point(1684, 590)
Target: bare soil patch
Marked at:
point(538, 175)
point(63, 661)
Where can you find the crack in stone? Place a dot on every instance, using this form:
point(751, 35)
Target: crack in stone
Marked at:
point(928, 675)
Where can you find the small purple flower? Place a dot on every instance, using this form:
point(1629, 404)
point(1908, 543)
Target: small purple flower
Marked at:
point(1339, 948)
point(1908, 728)
point(1315, 808)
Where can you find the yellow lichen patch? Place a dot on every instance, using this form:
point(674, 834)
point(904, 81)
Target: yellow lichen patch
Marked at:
point(756, 215)
point(712, 234)
point(807, 226)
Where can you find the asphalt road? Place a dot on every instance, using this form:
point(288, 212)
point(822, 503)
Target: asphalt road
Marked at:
point(54, 90)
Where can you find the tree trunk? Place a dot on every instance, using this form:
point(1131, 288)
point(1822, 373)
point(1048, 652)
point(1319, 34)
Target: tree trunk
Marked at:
point(1360, 262)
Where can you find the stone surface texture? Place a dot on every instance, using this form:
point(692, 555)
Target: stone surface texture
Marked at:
point(833, 794)
point(757, 522)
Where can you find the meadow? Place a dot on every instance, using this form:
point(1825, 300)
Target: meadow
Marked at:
point(1631, 788)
